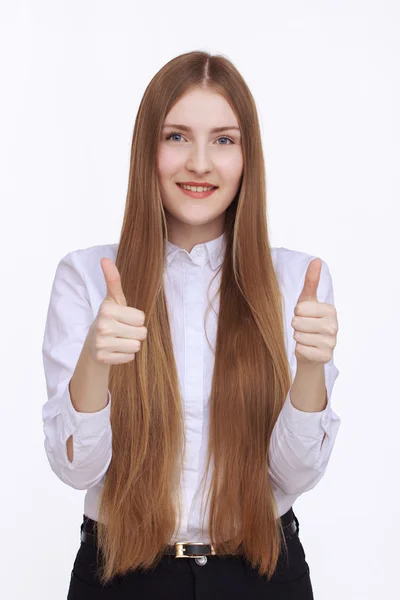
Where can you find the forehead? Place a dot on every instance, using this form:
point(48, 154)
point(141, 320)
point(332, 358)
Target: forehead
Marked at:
point(202, 109)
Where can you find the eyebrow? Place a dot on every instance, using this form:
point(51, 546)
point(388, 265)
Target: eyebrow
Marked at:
point(214, 130)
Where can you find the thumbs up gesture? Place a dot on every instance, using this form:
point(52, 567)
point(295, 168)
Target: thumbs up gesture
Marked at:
point(117, 331)
point(315, 323)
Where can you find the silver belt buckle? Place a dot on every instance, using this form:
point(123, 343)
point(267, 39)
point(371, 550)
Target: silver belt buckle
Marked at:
point(180, 550)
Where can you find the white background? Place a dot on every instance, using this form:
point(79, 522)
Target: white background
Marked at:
point(325, 77)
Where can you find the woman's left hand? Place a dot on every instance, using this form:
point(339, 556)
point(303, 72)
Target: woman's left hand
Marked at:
point(315, 323)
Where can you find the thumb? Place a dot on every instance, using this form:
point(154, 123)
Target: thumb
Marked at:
point(113, 282)
point(311, 281)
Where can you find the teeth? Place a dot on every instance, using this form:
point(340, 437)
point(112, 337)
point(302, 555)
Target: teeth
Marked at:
point(196, 189)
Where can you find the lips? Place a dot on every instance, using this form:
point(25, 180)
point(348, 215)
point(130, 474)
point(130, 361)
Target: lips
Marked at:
point(214, 187)
point(196, 183)
point(196, 195)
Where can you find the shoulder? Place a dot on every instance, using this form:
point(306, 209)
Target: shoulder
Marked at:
point(87, 260)
point(291, 266)
point(81, 271)
point(290, 263)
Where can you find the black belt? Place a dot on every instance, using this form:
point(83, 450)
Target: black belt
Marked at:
point(183, 549)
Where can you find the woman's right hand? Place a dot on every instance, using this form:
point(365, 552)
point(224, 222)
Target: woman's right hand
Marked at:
point(116, 333)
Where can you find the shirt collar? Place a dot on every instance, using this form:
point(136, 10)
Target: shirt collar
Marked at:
point(214, 250)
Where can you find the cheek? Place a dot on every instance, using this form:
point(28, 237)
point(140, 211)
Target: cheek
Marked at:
point(168, 162)
point(231, 166)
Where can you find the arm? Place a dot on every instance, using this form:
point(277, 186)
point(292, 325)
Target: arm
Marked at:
point(88, 388)
point(68, 322)
point(302, 439)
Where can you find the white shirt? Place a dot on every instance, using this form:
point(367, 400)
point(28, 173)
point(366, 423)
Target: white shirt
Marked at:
point(298, 460)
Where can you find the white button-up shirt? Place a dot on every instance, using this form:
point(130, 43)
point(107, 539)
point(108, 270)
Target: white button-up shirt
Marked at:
point(299, 453)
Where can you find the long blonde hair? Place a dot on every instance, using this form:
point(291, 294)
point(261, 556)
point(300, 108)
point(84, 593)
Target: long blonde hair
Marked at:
point(140, 501)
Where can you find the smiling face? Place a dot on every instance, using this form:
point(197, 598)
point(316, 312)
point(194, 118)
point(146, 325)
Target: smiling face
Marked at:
point(199, 155)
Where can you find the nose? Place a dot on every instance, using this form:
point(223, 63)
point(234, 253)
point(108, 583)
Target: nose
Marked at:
point(199, 160)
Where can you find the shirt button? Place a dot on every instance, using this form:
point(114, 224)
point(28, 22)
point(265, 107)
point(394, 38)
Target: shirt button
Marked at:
point(200, 251)
point(201, 561)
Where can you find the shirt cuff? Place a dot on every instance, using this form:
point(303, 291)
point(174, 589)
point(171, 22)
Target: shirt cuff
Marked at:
point(312, 424)
point(82, 423)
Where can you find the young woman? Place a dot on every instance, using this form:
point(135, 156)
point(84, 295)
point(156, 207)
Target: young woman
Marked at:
point(193, 425)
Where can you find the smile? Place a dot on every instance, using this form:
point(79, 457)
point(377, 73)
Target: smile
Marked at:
point(192, 194)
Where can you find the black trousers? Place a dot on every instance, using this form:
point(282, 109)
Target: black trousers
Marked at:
point(221, 578)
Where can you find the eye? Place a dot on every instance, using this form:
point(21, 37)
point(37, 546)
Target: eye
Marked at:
point(220, 138)
point(171, 134)
point(225, 138)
